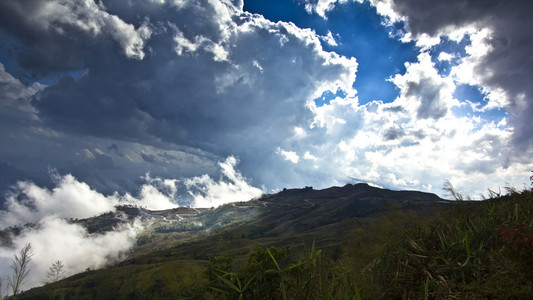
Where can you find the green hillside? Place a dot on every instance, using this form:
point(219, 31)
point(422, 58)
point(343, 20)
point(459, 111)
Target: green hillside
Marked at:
point(351, 242)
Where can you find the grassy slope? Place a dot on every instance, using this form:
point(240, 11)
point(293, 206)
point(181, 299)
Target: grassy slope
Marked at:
point(292, 219)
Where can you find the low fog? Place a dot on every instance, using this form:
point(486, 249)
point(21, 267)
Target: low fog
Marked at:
point(53, 238)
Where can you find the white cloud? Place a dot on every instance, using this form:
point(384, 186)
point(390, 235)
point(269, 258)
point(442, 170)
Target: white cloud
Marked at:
point(310, 156)
point(322, 7)
point(412, 143)
point(445, 56)
point(184, 45)
point(496, 60)
point(257, 65)
point(231, 187)
point(70, 198)
point(423, 91)
point(155, 194)
point(54, 239)
point(289, 155)
point(329, 39)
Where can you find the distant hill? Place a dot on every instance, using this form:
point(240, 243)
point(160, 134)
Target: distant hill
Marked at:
point(289, 212)
point(177, 243)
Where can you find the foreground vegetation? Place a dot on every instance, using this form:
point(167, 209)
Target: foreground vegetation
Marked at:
point(469, 250)
point(457, 250)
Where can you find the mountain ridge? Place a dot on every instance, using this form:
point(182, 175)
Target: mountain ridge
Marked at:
point(291, 219)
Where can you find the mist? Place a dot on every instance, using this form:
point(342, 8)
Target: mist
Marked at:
point(54, 238)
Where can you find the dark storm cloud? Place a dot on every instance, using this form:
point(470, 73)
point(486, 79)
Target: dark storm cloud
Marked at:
point(112, 147)
point(54, 36)
point(201, 78)
point(148, 158)
point(9, 175)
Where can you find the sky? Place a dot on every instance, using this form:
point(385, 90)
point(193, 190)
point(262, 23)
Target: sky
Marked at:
point(400, 94)
point(161, 103)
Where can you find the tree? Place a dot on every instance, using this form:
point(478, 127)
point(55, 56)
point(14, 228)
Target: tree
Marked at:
point(20, 267)
point(55, 272)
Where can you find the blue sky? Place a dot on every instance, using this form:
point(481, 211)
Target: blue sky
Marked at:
point(164, 103)
point(357, 30)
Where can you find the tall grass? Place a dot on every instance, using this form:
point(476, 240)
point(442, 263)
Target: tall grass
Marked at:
point(468, 250)
point(265, 276)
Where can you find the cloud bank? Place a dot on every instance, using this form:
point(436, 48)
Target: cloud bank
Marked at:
point(497, 59)
point(482, 44)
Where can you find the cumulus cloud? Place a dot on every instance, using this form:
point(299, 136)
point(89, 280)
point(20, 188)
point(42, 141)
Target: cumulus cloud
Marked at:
point(392, 148)
point(231, 187)
point(497, 59)
point(411, 143)
point(423, 91)
point(53, 238)
point(71, 198)
point(493, 57)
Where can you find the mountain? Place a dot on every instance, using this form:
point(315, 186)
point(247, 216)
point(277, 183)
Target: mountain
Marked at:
point(281, 215)
point(176, 244)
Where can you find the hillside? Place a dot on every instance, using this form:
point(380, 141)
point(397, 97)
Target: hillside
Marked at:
point(292, 212)
point(185, 238)
point(351, 242)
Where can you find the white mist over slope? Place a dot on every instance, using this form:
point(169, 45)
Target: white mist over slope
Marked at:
point(54, 238)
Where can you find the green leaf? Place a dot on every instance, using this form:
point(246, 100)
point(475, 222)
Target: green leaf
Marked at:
point(273, 259)
point(228, 283)
point(248, 283)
